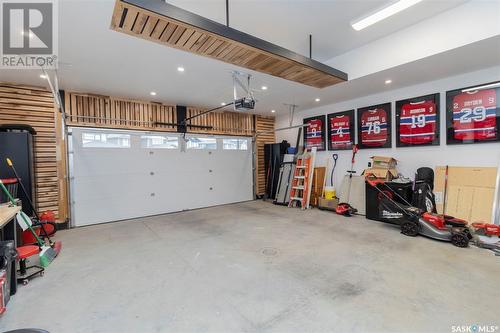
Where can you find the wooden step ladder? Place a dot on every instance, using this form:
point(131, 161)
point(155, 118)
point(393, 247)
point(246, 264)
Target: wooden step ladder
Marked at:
point(300, 193)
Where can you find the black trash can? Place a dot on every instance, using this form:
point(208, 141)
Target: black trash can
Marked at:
point(8, 255)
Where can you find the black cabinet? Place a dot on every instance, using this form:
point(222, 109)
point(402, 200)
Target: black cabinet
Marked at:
point(273, 156)
point(18, 146)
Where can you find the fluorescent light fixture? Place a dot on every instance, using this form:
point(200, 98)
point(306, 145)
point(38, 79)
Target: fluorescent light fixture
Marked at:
point(152, 93)
point(273, 111)
point(264, 88)
point(317, 100)
point(484, 86)
point(384, 13)
point(43, 76)
point(388, 81)
point(180, 69)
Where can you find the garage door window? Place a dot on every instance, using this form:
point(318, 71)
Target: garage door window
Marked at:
point(105, 140)
point(159, 141)
point(235, 144)
point(202, 143)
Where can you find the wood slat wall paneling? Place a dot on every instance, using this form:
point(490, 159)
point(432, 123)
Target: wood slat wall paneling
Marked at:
point(34, 106)
point(62, 166)
point(224, 123)
point(262, 124)
point(110, 112)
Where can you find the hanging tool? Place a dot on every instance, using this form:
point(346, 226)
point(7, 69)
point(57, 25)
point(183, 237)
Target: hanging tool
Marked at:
point(345, 208)
point(329, 200)
point(47, 253)
point(300, 193)
point(55, 245)
point(445, 188)
point(335, 159)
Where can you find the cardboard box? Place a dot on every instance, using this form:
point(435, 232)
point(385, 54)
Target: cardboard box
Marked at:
point(470, 192)
point(328, 204)
point(383, 162)
point(383, 168)
point(385, 174)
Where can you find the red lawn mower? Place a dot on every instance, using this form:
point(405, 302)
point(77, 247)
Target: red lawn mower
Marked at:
point(414, 221)
point(486, 229)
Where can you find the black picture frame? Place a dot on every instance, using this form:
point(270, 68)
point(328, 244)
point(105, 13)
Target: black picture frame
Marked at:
point(368, 138)
point(418, 121)
point(333, 129)
point(472, 116)
point(319, 139)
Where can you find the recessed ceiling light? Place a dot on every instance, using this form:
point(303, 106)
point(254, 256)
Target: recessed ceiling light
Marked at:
point(384, 13)
point(264, 88)
point(317, 100)
point(223, 104)
point(152, 93)
point(180, 69)
point(43, 76)
point(273, 111)
point(388, 81)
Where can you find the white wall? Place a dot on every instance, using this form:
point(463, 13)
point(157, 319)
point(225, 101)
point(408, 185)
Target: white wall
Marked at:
point(424, 39)
point(410, 159)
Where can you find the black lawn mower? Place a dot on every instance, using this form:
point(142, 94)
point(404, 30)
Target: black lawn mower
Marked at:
point(415, 221)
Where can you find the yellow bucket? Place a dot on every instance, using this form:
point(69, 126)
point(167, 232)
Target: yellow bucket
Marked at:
point(330, 193)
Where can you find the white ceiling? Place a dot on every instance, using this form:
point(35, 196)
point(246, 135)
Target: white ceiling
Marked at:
point(98, 60)
point(288, 23)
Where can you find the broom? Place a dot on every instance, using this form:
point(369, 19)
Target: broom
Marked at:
point(47, 254)
point(55, 245)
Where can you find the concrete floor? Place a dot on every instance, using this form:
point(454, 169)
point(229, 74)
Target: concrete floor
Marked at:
point(256, 267)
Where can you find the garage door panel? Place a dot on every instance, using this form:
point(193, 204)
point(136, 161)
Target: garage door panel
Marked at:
point(111, 184)
point(109, 163)
point(104, 200)
point(105, 188)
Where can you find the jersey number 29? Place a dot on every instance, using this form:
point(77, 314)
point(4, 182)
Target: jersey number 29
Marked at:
point(469, 115)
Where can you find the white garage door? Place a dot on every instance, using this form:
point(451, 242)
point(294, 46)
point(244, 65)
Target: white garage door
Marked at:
point(117, 175)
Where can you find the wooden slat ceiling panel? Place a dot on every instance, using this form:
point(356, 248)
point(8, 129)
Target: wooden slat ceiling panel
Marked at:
point(143, 23)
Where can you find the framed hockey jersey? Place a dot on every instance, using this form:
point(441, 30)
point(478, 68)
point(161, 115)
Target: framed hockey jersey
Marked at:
point(374, 126)
point(417, 121)
point(315, 133)
point(473, 114)
point(341, 130)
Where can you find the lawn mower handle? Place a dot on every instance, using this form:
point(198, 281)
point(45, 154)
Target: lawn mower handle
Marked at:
point(354, 152)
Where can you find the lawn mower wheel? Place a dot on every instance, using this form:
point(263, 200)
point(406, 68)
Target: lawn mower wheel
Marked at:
point(410, 228)
point(460, 239)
